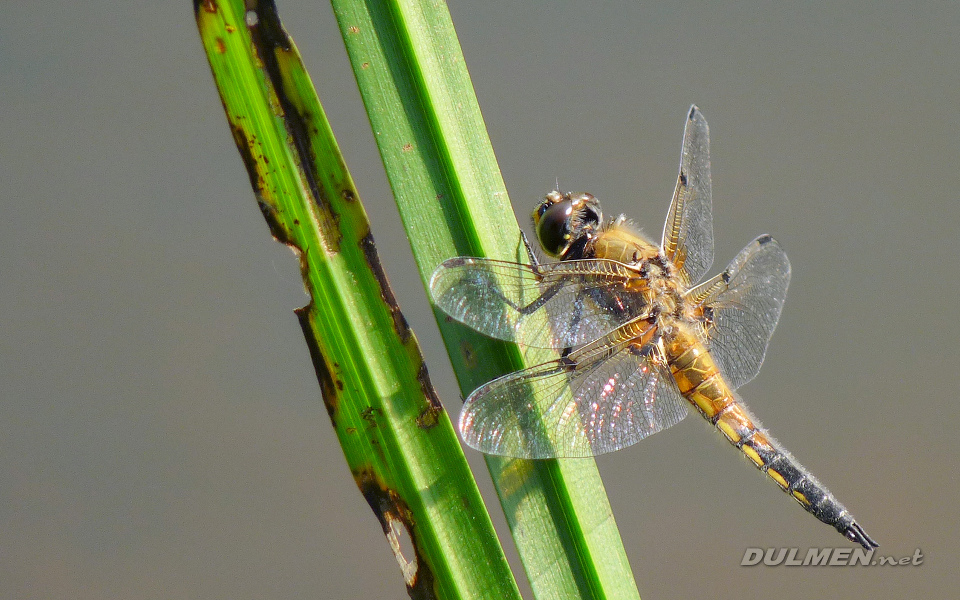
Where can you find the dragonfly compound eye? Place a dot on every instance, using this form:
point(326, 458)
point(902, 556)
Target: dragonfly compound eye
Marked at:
point(553, 223)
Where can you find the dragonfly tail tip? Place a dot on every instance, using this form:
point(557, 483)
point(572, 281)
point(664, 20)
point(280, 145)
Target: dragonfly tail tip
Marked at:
point(855, 533)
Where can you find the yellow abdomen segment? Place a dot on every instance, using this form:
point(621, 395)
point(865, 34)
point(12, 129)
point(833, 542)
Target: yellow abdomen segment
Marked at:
point(701, 383)
point(703, 386)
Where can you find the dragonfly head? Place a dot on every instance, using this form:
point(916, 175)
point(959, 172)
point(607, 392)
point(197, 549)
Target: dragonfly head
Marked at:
point(565, 220)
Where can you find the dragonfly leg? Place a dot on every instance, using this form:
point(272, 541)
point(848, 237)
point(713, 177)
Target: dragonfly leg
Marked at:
point(531, 254)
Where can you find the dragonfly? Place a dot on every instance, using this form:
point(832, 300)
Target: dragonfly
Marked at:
point(641, 340)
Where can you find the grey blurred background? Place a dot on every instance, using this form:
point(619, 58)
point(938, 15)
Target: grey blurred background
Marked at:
point(162, 435)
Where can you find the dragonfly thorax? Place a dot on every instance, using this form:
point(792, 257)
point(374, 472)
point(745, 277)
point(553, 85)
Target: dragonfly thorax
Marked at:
point(657, 277)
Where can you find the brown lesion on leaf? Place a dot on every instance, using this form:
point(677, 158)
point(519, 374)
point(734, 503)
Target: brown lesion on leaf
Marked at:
point(327, 373)
point(369, 249)
point(430, 415)
point(370, 414)
point(246, 145)
point(400, 529)
point(269, 41)
point(468, 354)
point(208, 5)
point(277, 227)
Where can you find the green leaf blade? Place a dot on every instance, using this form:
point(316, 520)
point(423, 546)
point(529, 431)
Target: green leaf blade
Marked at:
point(398, 442)
point(453, 201)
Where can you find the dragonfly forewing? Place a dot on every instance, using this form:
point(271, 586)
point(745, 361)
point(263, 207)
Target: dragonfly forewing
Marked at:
point(688, 231)
point(556, 305)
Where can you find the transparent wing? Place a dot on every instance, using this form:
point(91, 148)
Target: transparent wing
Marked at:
point(741, 307)
point(554, 305)
point(592, 405)
point(688, 232)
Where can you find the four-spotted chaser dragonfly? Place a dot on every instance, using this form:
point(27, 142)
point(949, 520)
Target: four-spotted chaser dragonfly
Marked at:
point(639, 341)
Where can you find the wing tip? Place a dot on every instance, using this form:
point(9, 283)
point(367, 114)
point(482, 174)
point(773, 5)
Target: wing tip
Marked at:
point(442, 268)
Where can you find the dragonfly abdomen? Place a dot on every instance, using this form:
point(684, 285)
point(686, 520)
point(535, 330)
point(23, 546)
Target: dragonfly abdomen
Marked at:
point(702, 384)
